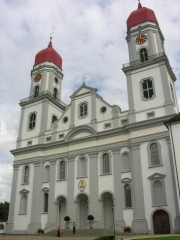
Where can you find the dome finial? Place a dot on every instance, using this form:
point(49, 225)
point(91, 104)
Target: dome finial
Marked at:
point(50, 42)
point(139, 4)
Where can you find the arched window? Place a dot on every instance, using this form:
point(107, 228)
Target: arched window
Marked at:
point(36, 91)
point(46, 173)
point(26, 175)
point(154, 154)
point(106, 163)
point(62, 170)
point(32, 121)
point(127, 193)
point(23, 204)
point(143, 55)
point(126, 164)
point(55, 91)
point(46, 196)
point(83, 109)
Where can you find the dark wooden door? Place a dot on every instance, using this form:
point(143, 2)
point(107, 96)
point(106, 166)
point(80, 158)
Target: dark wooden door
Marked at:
point(161, 222)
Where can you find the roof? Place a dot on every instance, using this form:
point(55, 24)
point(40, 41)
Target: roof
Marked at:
point(141, 15)
point(48, 55)
point(176, 118)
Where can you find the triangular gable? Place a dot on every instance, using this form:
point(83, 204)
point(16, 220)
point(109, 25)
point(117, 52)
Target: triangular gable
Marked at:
point(156, 176)
point(83, 89)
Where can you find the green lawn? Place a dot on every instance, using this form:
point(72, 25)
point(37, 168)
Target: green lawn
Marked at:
point(161, 238)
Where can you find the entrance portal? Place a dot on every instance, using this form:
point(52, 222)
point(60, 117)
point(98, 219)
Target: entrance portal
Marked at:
point(161, 222)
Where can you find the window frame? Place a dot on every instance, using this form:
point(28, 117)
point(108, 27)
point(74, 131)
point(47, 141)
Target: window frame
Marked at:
point(36, 91)
point(102, 167)
point(32, 122)
point(82, 167)
point(143, 53)
point(150, 162)
point(25, 175)
point(157, 177)
point(148, 89)
point(83, 109)
point(23, 203)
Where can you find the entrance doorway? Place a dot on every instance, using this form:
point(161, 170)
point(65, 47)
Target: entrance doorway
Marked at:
point(161, 222)
point(107, 200)
point(83, 211)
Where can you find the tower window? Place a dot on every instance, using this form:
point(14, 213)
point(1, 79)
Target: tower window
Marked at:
point(83, 109)
point(54, 118)
point(143, 55)
point(36, 91)
point(55, 91)
point(46, 198)
point(147, 89)
point(32, 121)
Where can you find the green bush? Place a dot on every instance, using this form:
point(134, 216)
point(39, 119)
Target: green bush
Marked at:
point(105, 238)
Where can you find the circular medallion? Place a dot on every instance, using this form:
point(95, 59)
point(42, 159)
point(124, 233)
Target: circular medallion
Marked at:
point(140, 39)
point(82, 185)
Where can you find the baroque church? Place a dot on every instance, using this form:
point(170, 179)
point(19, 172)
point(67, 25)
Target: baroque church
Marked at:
point(91, 158)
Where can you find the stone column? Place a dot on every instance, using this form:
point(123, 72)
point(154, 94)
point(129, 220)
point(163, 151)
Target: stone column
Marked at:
point(118, 189)
point(51, 222)
point(36, 208)
point(139, 221)
point(94, 203)
point(13, 204)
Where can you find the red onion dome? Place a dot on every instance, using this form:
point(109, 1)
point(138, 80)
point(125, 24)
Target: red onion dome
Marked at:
point(48, 55)
point(141, 15)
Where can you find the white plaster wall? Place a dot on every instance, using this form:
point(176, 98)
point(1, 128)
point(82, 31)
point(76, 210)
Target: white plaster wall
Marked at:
point(26, 134)
point(101, 117)
point(147, 172)
point(21, 221)
point(139, 103)
point(128, 216)
point(44, 218)
point(52, 110)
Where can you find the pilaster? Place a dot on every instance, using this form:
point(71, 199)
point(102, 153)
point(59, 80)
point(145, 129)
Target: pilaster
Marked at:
point(51, 223)
point(35, 221)
point(139, 222)
point(94, 203)
point(10, 223)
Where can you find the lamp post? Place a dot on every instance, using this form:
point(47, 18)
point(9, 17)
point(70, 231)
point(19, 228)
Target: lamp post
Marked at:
point(113, 205)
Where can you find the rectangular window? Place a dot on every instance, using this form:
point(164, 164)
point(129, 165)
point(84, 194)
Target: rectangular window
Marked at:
point(107, 125)
point(48, 139)
point(150, 115)
point(61, 136)
point(32, 121)
point(83, 109)
point(124, 121)
point(147, 89)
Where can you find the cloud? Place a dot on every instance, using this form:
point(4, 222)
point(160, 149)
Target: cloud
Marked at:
point(90, 37)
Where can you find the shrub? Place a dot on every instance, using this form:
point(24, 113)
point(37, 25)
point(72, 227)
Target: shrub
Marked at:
point(90, 217)
point(40, 230)
point(127, 229)
point(67, 218)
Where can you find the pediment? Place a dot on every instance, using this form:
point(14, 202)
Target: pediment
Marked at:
point(156, 176)
point(24, 191)
point(81, 132)
point(84, 89)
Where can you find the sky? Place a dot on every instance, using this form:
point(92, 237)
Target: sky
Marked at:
point(90, 37)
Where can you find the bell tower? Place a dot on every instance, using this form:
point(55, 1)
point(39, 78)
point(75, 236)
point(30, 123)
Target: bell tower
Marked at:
point(44, 105)
point(150, 79)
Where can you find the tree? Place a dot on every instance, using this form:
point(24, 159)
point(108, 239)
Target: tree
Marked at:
point(4, 211)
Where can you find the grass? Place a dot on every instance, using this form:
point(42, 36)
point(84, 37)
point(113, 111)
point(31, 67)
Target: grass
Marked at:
point(161, 238)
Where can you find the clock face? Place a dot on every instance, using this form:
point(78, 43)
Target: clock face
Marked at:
point(37, 78)
point(140, 39)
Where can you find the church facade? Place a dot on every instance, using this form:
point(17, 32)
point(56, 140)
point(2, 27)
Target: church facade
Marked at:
point(91, 158)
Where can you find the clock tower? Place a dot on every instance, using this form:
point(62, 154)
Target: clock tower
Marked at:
point(150, 79)
point(43, 106)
